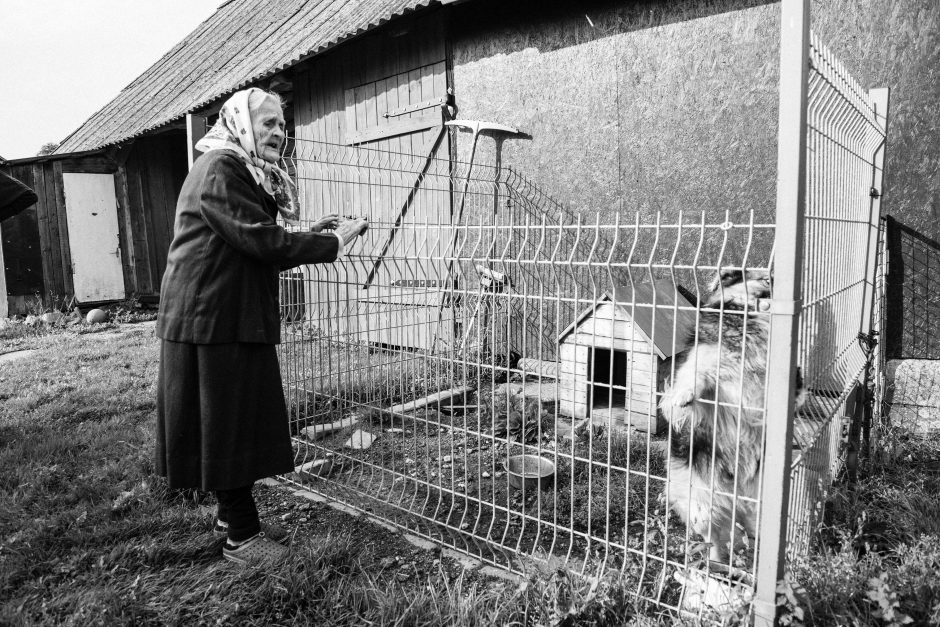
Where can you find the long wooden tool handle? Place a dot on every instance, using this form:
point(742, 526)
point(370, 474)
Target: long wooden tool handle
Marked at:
point(404, 210)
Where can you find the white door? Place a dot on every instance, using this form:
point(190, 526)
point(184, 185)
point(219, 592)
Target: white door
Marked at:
point(91, 215)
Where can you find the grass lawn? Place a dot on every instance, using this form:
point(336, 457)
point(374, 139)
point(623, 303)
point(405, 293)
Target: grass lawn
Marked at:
point(89, 536)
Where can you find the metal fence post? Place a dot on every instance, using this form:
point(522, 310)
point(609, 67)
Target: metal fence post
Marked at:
point(880, 99)
point(892, 335)
point(873, 384)
point(781, 372)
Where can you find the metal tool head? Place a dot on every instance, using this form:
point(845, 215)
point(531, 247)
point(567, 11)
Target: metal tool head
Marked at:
point(477, 126)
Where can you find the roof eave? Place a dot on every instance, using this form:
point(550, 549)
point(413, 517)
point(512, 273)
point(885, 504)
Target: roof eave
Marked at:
point(55, 156)
point(206, 102)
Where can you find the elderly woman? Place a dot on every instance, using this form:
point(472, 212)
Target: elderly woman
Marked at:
point(221, 416)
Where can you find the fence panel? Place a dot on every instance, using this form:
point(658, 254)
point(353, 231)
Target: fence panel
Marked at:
point(531, 386)
point(555, 339)
point(846, 133)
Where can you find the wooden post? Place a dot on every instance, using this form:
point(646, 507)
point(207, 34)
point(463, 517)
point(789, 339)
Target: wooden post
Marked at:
point(4, 310)
point(785, 307)
point(195, 130)
point(893, 335)
point(875, 346)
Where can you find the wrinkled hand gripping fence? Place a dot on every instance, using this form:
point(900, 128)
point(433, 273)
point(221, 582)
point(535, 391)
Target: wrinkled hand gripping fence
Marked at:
point(524, 328)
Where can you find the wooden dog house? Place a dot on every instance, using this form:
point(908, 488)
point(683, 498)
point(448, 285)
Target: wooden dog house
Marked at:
point(613, 356)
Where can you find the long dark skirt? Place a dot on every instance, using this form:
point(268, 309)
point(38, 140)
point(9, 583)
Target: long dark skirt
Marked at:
point(221, 416)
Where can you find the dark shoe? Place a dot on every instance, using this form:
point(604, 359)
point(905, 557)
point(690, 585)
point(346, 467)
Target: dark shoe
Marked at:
point(256, 550)
point(274, 532)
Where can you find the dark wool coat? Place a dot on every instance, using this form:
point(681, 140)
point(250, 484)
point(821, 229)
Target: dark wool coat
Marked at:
point(221, 279)
point(221, 416)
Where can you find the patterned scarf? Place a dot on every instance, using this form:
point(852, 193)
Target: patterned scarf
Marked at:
point(233, 131)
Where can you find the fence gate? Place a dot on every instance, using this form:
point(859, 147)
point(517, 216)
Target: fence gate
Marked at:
point(529, 423)
point(839, 326)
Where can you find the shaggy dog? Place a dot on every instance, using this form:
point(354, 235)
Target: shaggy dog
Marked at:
point(714, 408)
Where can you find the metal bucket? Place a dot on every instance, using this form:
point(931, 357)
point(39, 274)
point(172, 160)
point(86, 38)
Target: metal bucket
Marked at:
point(531, 471)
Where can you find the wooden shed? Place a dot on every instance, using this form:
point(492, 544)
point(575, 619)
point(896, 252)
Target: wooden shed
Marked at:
point(613, 356)
point(101, 229)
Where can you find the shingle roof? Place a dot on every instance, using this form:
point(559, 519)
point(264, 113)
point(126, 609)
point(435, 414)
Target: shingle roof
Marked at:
point(242, 42)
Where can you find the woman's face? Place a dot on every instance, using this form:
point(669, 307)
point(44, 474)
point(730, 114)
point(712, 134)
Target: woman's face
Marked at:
point(267, 123)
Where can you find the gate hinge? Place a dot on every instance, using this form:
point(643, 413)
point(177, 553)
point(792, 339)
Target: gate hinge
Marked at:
point(868, 341)
point(874, 192)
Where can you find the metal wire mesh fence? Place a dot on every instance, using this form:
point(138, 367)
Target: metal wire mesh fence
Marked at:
point(523, 384)
point(911, 291)
point(913, 302)
point(846, 133)
point(472, 341)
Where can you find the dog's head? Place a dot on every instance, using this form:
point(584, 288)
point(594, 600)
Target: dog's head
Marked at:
point(740, 288)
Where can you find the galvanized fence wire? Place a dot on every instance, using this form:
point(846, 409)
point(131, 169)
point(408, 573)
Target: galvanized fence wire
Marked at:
point(911, 295)
point(841, 235)
point(477, 321)
point(913, 278)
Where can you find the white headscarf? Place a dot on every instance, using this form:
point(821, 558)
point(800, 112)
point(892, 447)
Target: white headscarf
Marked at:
point(233, 131)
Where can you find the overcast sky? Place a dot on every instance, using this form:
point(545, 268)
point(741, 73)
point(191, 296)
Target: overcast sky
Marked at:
point(62, 60)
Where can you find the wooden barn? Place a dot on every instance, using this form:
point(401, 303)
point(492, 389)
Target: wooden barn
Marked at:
point(618, 102)
point(102, 227)
point(614, 356)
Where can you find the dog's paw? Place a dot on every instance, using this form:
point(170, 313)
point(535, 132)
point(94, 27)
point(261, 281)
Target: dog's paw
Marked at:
point(681, 398)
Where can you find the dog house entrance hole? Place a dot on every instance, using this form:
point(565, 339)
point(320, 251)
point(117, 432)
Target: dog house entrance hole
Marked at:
point(607, 378)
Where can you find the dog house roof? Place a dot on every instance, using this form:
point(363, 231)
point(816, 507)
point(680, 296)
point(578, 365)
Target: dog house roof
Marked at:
point(655, 307)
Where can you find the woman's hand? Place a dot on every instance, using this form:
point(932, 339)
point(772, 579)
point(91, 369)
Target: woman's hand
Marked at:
point(326, 222)
point(351, 228)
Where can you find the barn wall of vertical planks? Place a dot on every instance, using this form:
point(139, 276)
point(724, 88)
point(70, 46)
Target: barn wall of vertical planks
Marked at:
point(148, 174)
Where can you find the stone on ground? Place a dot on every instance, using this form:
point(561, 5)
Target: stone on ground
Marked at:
point(317, 468)
point(315, 432)
point(360, 440)
point(96, 316)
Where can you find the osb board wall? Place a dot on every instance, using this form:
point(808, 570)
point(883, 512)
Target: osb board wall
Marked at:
point(630, 106)
point(628, 109)
point(896, 44)
point(655, 106)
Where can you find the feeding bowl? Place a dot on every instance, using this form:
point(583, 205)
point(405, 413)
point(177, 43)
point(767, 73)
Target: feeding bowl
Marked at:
point(531, 471)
